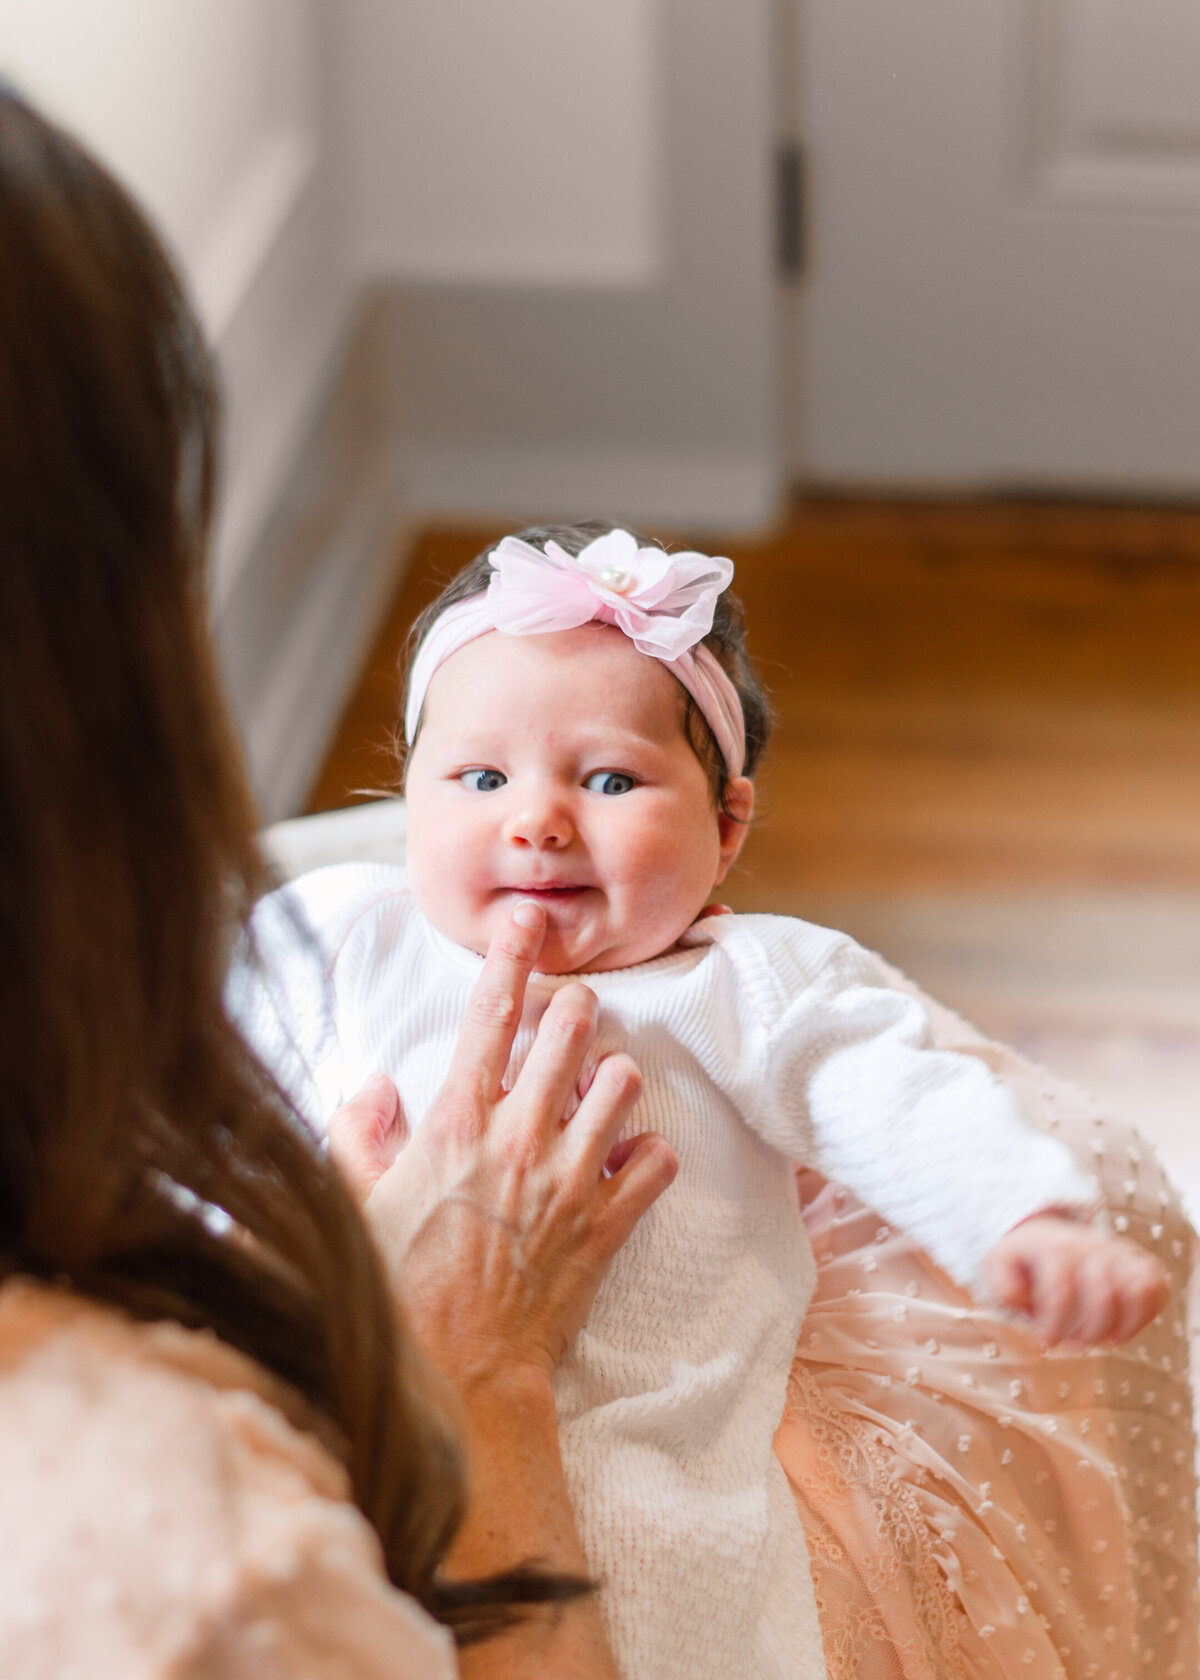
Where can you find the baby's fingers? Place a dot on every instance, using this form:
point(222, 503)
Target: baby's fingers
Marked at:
point(1098, 1300)
point(1055, 1303)
point(1009, 1279)
point(1142, 1288)
point(1118, 1290)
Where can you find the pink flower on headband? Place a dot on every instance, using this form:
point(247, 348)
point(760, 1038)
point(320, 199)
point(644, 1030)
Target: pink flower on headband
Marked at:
point(663, 602)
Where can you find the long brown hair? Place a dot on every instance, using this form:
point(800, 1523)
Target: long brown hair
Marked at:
point(129, 1105)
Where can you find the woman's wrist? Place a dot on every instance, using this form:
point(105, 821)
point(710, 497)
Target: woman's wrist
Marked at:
point(525, 1389)
point(519, 1512)
point(518, 1509)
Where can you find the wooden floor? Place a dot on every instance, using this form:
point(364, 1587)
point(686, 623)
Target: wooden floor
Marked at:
point(971, 697)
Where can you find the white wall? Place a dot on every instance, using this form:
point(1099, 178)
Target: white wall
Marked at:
point(566, 211)
point(210, 111)
point(560, 216)
point(514, 141)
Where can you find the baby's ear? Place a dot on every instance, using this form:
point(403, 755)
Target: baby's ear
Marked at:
point(733, 820)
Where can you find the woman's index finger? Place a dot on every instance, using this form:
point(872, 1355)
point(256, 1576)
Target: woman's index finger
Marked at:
point(494, 1008)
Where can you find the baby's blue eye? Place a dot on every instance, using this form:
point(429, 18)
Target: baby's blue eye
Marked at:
point(483, 781)
point(609, 781)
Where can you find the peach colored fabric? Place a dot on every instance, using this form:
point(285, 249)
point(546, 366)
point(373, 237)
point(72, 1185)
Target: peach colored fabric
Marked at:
point(164, 1520)
point(975, 1511)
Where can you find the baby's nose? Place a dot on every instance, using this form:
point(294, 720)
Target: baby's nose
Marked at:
point(543, 823)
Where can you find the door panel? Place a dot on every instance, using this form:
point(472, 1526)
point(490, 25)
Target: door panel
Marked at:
point(1116, 89)
point(1005, 282)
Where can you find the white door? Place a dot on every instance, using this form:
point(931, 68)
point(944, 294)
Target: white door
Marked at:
point(1003, 282)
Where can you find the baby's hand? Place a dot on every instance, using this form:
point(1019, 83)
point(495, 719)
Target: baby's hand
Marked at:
point(1077, 1284)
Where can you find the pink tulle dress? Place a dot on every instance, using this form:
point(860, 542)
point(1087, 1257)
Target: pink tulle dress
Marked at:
point(976, 1510)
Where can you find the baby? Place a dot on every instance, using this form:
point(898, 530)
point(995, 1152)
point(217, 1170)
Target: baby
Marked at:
point(583, 726)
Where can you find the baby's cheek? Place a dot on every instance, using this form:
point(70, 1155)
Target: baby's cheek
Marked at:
point(444, 876)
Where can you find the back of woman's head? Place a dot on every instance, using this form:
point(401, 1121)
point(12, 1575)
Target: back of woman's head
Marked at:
point(127, 861)
point(119, 806)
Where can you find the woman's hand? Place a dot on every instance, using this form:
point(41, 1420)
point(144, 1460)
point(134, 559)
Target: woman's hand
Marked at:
point(496, 1221)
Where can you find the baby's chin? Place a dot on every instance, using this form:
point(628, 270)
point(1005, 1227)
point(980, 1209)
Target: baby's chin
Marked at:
point(560, 956)
point(566, 949)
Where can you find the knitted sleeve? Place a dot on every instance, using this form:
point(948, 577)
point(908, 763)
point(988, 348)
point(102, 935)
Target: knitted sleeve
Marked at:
point(282, 991)
point(931, 1139)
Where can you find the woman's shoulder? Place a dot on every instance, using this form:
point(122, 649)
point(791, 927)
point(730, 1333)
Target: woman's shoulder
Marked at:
point(165, 1514)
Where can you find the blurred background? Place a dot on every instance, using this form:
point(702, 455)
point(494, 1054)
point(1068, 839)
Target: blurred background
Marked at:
point(893, 301)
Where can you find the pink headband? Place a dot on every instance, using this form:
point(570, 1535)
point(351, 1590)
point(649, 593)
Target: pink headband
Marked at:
point(663, 602)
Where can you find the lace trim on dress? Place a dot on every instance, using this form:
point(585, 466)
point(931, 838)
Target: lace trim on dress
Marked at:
point(840, 1469)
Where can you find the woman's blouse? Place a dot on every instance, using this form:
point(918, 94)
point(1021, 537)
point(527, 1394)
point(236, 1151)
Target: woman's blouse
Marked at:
point(163, 1516)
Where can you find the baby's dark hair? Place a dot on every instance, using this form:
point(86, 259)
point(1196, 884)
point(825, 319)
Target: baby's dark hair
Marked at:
point(726, 641)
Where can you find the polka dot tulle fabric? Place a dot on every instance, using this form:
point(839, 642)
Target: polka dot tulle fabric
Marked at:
point(974, 1510)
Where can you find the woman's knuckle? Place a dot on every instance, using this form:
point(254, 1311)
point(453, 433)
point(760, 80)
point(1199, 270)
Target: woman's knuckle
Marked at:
point(571, 1027)
point(666, 1161)
point(492, 1009)
point(575, 1003)
point(459, 1106)
point(628, 1078)
point(619, 1077)
point(575, 1203)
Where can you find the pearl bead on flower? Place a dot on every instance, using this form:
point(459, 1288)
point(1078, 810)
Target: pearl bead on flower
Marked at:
point(618, 581)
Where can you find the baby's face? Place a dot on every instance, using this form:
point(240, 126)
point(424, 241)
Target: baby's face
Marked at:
point(556, 768)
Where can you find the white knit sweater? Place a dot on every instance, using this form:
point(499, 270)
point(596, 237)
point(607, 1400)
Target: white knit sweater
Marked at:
point(763, 1042)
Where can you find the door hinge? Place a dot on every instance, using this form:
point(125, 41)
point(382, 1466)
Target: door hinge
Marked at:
point(790, 208)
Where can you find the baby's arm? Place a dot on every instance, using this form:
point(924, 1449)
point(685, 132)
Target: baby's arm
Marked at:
point(929, 1139)
point(847, 1078)
point(1076, 1283)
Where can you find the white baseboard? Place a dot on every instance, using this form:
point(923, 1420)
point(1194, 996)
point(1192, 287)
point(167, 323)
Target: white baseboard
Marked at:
point(718, 491)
